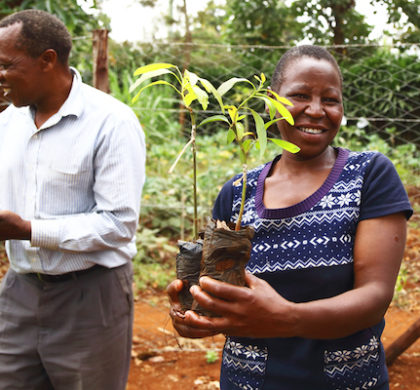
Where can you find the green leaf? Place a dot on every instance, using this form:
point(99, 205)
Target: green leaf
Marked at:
point(263, 78)
point(271, 108)
point(269, 123)
point(232, 110)
point(191, 77)
point(202, 96)
point(281, 99)
point(227, 85)
point(210, 89)
point(135, 98)
point(190, 96)
point(247, 144)
point(149, 75)
point(284, 112)
point(152, 67)
point(230, 136)
point(214, 118)
point(240, 130)
point(261, 132)
point(292, 148)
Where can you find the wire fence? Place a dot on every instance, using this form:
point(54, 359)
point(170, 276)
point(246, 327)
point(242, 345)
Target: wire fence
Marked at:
point(381, 97)
point(381, 83)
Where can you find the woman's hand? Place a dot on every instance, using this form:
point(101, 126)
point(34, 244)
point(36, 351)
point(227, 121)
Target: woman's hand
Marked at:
point(184, 322)
point(253, 311)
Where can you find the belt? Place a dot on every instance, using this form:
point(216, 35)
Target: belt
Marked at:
point(62, 277)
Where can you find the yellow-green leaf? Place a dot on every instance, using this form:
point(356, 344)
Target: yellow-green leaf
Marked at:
point(281, 99)
point(152, 67)
point(189, 97)
point(292, 148)
point(215, 118)
point(246, 145)
point(268, 124)
point(191, 77)
point(232, 110)
point(227, 85)
point(135, 98)
point(149, 75)
point(261, 132)
point(202, 96)
point(240, 130)
point(230, 136)
point(210, 89)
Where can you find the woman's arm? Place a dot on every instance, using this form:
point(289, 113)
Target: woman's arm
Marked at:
point(259, 311)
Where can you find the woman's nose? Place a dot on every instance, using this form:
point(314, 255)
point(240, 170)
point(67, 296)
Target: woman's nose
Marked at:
point(315, 108)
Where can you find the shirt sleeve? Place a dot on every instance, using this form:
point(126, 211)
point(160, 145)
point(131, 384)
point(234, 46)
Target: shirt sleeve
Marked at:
point(222, 209)
point(383, 192)
point(119, 175)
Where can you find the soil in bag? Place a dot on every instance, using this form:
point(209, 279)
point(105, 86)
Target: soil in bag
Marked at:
point(188, 263)
point(225, 255)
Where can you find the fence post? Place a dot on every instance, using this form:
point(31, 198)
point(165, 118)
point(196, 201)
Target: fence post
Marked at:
point(100, 60)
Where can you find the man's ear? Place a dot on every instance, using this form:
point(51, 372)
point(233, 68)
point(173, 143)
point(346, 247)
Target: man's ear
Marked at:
point(48, 59)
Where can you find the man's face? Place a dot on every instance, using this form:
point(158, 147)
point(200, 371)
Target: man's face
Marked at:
point(19, 72)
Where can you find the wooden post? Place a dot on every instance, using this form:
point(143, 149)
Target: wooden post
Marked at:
point(403, 342)
point(100, 60)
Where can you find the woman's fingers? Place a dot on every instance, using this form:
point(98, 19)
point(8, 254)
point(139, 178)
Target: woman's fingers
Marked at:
point(173, 290)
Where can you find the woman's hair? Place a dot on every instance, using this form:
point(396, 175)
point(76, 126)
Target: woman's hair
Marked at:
point(40, 31)
point(296, 53)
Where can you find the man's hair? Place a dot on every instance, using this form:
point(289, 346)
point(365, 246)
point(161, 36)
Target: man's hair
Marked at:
point(40, 31)
point(298, 52)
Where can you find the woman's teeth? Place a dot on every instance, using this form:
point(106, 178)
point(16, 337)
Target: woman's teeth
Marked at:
point(310, 131)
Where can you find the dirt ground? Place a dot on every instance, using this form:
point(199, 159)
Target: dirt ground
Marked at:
point(163, 361)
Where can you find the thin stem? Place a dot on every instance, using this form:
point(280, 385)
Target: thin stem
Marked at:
point(241, 211)
point(194, 154)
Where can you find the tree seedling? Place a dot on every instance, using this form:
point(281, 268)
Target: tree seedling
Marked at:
point(237, 131)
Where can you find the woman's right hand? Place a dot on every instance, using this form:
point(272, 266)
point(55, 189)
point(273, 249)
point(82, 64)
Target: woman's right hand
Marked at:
point(183, 322)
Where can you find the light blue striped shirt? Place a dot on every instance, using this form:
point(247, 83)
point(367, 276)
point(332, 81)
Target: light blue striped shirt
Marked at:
point(78, 179)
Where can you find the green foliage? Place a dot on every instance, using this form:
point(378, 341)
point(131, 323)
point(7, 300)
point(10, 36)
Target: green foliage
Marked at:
point(388, 83)
point(237, 124)
point(151, 266)
point(404, 16)
point(212, 356)
point(332, 21)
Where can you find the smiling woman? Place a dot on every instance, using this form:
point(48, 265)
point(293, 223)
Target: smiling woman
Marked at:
point(320, 277)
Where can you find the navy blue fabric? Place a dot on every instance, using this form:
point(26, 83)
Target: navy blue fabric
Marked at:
point(305, 252)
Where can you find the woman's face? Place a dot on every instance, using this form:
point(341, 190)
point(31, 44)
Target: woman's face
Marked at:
point(314, 88)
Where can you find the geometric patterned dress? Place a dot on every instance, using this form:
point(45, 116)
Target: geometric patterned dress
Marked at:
point(305, 252)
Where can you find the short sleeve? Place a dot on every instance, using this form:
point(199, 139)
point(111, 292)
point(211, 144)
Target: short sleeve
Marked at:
point(383, 192)
point(222, 209)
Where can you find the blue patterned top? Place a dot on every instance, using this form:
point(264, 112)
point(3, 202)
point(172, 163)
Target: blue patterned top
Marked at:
point(305, 252)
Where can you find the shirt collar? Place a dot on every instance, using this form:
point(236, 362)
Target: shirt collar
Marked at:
point(73, 104)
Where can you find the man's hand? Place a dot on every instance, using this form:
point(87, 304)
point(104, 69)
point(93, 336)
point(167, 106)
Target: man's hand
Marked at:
point(13, 227)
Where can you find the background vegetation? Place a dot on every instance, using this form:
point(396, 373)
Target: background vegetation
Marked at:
point(243, 38)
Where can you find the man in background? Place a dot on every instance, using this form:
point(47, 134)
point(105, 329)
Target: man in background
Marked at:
point(72, 170)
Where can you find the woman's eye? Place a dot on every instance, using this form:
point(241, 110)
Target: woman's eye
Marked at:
point(299, 96)
point(331, 100)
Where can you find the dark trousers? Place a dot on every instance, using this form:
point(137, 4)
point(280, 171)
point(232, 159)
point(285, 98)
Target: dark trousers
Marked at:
point(66, 335)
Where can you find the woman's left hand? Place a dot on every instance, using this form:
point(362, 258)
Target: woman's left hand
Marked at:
point(253, 311)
